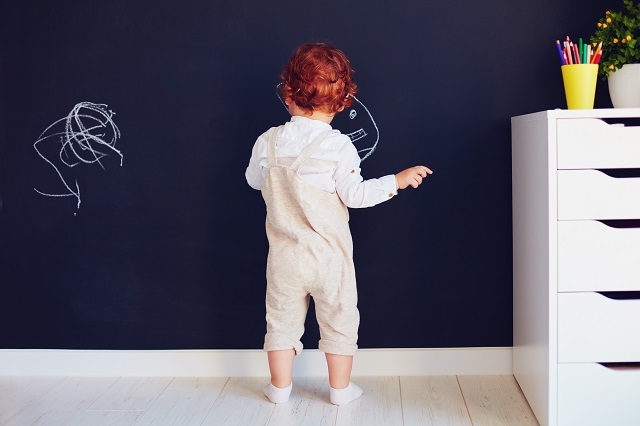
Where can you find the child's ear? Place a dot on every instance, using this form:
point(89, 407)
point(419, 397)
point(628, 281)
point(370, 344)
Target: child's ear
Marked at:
point(341, 109)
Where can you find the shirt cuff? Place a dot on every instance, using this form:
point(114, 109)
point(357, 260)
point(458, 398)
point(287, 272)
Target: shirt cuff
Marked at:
point(389, 184)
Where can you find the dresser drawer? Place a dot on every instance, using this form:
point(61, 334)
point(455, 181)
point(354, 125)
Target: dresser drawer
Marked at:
point(595, 328)
point(592, 394)
point(595, 257)
point(591, 194)
point(589, 143)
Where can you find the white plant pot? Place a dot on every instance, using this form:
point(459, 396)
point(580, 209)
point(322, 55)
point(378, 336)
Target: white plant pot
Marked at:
point(624, 86)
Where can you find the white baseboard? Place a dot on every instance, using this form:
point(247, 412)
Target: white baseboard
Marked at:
point(250, 363)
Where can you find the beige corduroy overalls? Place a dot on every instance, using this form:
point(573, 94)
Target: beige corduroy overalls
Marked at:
point(310, 254)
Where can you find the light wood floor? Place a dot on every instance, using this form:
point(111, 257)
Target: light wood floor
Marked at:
point(432, 400)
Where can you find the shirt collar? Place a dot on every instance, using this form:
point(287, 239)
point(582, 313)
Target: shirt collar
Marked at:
point(309, 122)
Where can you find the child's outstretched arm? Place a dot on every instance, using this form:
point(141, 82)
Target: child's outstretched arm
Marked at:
point(412, 176)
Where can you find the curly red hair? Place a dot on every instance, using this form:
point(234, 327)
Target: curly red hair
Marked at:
point(318, 77)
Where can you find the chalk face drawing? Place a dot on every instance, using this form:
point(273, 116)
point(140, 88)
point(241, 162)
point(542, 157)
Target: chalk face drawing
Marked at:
point(355, 122)
point(85, 136)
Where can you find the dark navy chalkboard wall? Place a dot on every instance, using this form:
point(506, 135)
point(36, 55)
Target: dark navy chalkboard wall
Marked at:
point(168, 249)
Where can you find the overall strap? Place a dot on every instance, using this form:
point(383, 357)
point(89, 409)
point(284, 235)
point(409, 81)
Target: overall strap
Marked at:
point(271, 147)
point(306, 153)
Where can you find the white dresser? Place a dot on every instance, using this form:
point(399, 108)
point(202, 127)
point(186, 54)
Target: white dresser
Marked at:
point(576, 266)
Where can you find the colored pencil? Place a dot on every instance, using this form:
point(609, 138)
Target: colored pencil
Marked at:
point(567, 50)
point(562, 61)
point(596, 52)
point(575, 52)
point(581, 49)
point(597, 58)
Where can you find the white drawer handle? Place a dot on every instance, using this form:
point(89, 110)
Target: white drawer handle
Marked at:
point(621, 295)
point(621, 365)
point(621, 173)
point(621, 223)
point(622, 121)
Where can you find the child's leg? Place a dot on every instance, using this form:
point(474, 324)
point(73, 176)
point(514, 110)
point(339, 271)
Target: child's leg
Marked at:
point(281, 367)
point(286, 311)
point(339, 367)
point(338, 318)
point(342, 390)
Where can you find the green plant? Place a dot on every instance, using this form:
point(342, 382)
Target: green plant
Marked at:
point(619, 32)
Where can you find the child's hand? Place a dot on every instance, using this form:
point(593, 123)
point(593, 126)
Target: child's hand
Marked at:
point(412, 176)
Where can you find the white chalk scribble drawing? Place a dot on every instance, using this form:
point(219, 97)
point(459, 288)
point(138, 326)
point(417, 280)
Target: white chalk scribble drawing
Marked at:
point(85, 136)
point(355, 122)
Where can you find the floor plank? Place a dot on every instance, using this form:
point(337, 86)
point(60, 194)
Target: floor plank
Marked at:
point(496, 401)
point(111, 417)
point(131, 394)
point(64, 402)
point(308, 405)
point(379, 405)
point(241, 402)
point(186, 401)
point(18, 393)
point(433, 400)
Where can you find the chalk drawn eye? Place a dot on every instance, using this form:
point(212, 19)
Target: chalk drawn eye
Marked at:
point(352, 114)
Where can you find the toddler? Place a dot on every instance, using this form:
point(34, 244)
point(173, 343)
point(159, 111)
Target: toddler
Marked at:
point(309, 174)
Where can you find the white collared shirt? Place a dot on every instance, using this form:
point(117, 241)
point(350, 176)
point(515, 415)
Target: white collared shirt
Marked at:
point(335, 165)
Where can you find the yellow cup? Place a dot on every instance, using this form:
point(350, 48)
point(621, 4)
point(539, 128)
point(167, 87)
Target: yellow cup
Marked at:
point(580, 85)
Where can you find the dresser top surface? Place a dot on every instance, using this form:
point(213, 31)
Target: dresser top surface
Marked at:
point(579, 113)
